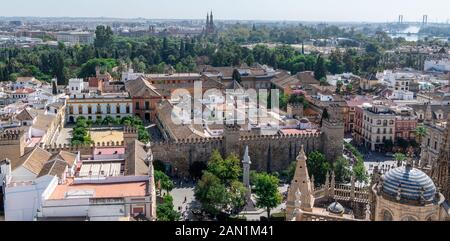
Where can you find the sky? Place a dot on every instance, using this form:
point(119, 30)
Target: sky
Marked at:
point(294, 10)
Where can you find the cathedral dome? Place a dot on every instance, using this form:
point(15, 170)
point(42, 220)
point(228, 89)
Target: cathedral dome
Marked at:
point(408, 184)
point(336, 208)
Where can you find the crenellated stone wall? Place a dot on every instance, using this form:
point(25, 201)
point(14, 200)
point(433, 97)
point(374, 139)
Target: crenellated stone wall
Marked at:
point(83, 149)
point(268, 153)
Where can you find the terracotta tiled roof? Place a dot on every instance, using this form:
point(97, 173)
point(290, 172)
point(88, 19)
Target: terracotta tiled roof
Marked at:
point(135, 159)
point(43, 121)
point(176, 131)
point(26, 114)
point(56, 167)
point(24, 79)
point(115, 190)
point(33, 161)
point(141, 87)
point(66, 156)
point(307, 77)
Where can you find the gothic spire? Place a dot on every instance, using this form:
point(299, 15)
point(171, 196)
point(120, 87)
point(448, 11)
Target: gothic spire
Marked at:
point(301, 181)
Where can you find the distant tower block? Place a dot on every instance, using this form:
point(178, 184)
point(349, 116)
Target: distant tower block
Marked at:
point(400, 18)
point(425, 19)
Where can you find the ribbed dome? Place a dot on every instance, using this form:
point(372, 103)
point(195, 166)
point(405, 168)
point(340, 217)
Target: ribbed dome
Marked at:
point(336, 208)
point(411, 182)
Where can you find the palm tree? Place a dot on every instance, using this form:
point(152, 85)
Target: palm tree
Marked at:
point(399, 157)
point(421, 132)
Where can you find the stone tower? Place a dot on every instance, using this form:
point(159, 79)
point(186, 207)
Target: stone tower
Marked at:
point(333, 138)
point(12, 145)
point(295, 110)
point(209, 28)
point(129, 135)
point(231, 139)
point(302, 183)
point(440, 171)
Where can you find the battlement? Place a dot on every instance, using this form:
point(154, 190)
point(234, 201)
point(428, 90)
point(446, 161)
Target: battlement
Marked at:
point(9, 135)
point(332, 123)
point(129, 130)
point(295, 105)
point(280, 137)
point(69, 147)
point(232, 127)
point(190, 141)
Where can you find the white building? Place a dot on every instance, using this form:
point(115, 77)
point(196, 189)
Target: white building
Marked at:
point(75, 37)
point(402, 95)
point(23, 200)
point(378, 125)
point(324, 98)
point(401, 80)
point(130, 75)
point(346, 78)
point(76, 86)
point(26, 82)
point(442, 65)
point(107, 199)
point(94, 107)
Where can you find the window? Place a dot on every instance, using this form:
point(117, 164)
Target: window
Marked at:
point(117, 109)
point(137, 105)
point(128, 109)
point(138, 210)
point(147, 105)
point(409, 218)
point(89, 109)
point(387, 216)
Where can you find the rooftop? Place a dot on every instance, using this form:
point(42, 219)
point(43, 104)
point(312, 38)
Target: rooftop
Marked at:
point(100, 190)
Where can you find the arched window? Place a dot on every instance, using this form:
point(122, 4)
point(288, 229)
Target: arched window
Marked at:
point(387, 216)
point(409, 218)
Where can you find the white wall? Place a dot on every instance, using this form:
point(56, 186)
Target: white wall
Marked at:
point(22, 202)
point(21, 174)
point(66, 208)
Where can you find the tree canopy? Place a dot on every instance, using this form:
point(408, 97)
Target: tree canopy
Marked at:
point(266, 190)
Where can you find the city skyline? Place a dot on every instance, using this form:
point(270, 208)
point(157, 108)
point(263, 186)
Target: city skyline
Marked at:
point(286, 10)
